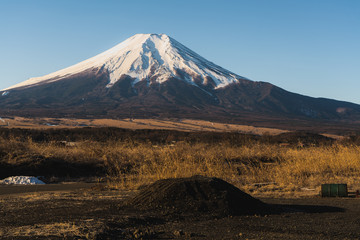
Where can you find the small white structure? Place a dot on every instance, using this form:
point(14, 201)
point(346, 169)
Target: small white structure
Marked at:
point(21, 180)
point(5, 93)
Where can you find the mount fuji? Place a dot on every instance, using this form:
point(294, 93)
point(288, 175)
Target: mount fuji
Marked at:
point(154, 76)
point(142, 57)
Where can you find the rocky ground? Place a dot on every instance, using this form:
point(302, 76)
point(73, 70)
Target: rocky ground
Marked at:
point(80, 211)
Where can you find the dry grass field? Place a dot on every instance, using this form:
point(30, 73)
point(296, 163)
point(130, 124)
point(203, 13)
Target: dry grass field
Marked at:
point(179, 125)
point(257, 167)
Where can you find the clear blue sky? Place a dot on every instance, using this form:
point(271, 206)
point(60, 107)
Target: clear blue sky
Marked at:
point(310, 47)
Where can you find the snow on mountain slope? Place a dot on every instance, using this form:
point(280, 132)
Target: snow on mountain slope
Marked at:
point(143, 56)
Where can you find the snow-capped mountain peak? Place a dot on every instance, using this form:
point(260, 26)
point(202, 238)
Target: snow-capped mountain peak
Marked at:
point(144, 56)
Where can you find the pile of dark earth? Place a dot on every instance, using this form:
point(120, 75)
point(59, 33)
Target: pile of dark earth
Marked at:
point(197, 195)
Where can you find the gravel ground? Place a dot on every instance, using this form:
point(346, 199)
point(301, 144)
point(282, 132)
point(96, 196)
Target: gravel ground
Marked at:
point(85, 212)
point(22, 189)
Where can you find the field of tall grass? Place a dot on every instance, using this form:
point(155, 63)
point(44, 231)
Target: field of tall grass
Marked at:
point(255, 166)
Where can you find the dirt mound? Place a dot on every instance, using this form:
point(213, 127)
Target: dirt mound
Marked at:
point(197, 195)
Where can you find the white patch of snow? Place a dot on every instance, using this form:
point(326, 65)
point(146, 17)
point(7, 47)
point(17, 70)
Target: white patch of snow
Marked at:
point(308, 112)
point(5, 93)
point(21, 180)
point(142, 56)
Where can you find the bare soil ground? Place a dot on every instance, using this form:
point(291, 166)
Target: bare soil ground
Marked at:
point(87, 212)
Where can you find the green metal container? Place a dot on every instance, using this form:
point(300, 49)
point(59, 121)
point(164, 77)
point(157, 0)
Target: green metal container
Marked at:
point(334, 190)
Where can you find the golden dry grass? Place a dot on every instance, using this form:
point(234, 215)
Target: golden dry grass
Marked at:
point(255, 167)
point(286, 169)
point(181, 125)
point(85, 230)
